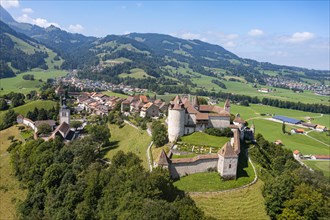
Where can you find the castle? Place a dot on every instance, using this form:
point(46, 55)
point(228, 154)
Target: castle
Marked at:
point(186, 116)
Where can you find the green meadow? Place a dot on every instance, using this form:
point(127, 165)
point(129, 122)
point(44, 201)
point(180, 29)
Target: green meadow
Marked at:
point(136, 73)
point(23, 109)
point(272, 131)
point(323, 166)
point(18, 84)
point(129, 139)
point(11, 192)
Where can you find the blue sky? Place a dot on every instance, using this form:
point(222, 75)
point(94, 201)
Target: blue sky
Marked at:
point(282, 32)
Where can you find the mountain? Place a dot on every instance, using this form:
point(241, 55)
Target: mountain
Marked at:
point(20, 53)
point(138, 55)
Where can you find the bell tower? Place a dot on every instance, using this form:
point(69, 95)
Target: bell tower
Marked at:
point(64, 112)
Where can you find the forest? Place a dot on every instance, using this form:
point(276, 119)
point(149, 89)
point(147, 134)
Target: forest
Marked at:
point(291, 191)
point(71, 182)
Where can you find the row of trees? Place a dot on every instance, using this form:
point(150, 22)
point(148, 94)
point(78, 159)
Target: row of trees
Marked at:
point(291, 191)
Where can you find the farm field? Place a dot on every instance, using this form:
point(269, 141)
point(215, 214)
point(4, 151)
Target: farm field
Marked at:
point(254, 110)
point(272, 131)
point(321, 136)
point(23, 109)
point(129, 139)
point(18, 84)
point(246, 203)
point(200, 138)
point(10, 192)
point(323, 166)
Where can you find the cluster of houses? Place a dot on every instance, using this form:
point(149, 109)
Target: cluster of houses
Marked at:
point(144, 106)
point(96, 103)
point(94, 85)
point(285, 82)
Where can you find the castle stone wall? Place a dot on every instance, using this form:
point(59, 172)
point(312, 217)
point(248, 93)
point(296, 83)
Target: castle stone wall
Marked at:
point(201, 165)
point(219, 121)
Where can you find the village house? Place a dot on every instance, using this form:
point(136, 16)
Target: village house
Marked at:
point(297, 131)
point(144, 106)
point(96, 103)
point(149, 110)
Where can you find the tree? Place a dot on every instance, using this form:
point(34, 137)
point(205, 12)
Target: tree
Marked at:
point(283, 128)
point(100, 134)
point(9, 119)
point(3, 104)
point(159, 133)
point(44, 128)
point(76, 124)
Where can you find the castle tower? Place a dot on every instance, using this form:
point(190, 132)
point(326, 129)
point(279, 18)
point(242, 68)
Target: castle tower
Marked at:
point(64, 112)
point(163, 160)
point(227, 163)
point(176, 115)
point(227, 105)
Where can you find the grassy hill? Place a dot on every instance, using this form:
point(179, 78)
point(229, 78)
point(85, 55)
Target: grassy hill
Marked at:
point(245, 203)
point(11, 193)
point(23, 110)
point(18, 84)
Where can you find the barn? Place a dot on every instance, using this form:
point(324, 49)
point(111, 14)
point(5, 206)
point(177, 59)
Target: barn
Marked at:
point(286, 119)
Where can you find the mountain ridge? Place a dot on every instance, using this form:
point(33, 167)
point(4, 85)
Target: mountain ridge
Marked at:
point(157, 54)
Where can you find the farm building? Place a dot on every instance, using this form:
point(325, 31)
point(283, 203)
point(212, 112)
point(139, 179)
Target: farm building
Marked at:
point(286, 119)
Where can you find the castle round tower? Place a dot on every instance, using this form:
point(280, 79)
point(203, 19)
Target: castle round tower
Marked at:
point(176, 113)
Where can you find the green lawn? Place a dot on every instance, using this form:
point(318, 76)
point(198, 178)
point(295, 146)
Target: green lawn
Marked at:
point(323, 166)
point(211, 181)
point(129, 139)
point(200, 138)
point(273, 131)
point(10, 192)
point(247, 203)
point(46, 104)
point(18, 84)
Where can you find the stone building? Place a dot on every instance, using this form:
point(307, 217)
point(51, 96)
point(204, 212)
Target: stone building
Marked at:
point(187, 116)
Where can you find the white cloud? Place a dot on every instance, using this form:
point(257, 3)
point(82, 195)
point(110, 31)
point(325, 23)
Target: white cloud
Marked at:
point(299, 37)
point(189, 35)
point(139, 5)
point(77, 28)
point(255, 32)
point(9, 3)
point(230, 44)
point(25, 18)
point(27, 10)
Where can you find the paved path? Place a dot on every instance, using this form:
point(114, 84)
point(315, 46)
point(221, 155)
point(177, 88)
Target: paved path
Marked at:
point(149, 156)
point(131, 124)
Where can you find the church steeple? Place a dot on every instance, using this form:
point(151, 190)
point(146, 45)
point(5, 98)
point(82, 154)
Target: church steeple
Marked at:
point(64, 112)
point(227, 105)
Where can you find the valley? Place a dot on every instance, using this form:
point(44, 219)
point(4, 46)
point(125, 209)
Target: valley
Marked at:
point(157, 126)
